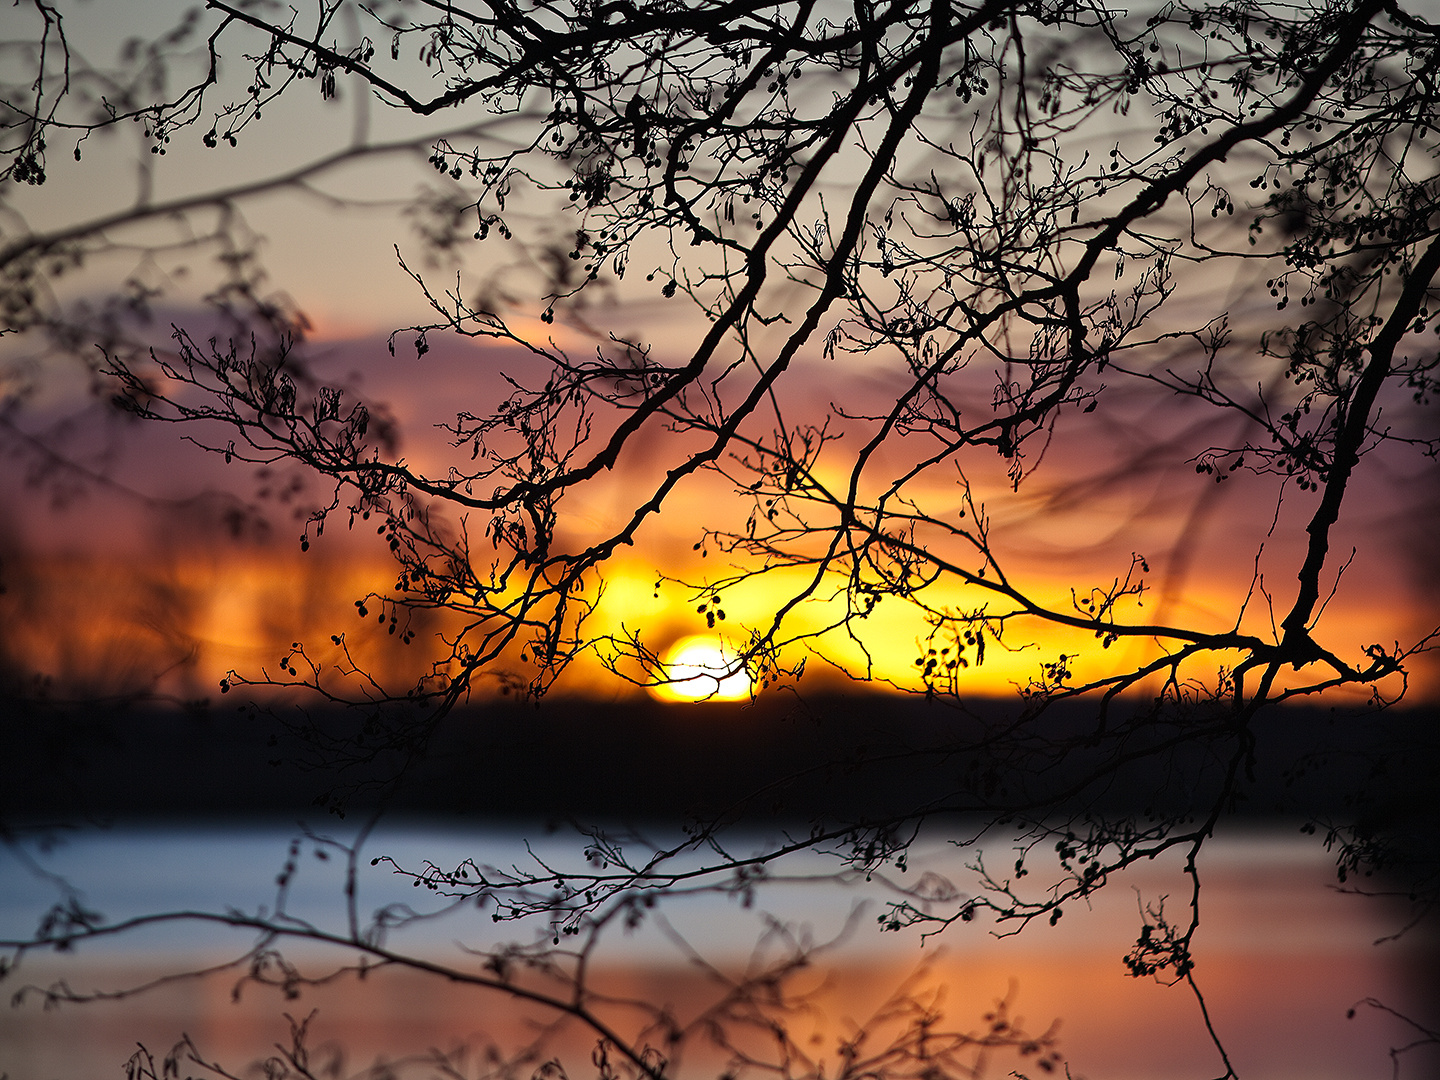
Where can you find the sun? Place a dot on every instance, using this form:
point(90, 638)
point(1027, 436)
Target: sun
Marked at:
point(699, 670)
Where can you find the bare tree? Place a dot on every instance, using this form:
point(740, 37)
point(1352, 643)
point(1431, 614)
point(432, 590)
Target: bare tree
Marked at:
point(1015, 216)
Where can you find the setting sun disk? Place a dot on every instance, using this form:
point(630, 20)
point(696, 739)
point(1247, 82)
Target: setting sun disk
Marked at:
point(699, 669)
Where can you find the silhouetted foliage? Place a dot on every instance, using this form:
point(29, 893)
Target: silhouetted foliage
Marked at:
point(1009, 216)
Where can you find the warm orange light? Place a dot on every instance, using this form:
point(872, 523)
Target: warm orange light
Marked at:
point(700, 668)
point(178, 618)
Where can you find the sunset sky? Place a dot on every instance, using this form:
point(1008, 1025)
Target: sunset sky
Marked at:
point(149, 560)
point(158, 552)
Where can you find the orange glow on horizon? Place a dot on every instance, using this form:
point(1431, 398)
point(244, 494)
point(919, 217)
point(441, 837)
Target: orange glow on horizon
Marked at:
point(101, 620)
point(100, 625)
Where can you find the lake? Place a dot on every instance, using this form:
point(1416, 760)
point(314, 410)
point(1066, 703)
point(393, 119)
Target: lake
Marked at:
point(1282, 958)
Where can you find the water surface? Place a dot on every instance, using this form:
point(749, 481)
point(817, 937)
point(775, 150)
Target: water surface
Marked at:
point(1282, 957)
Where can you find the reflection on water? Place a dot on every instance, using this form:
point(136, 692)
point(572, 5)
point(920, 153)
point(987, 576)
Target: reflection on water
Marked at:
point(1282, 957)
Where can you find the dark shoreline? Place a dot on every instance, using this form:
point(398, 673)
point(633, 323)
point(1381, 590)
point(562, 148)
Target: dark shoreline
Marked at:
point(859, 756)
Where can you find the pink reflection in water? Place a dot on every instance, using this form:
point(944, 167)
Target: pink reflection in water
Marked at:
point(1282, 958)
